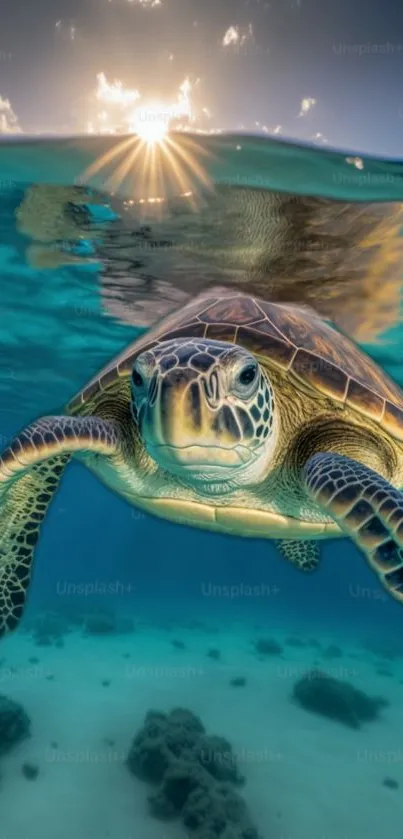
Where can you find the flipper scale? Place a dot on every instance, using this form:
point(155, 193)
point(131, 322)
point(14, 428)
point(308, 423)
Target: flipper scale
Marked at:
point(367, 508)
point(30, 471)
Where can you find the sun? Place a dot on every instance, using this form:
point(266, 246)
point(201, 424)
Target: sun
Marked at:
point(151, 124)
point(157, 157)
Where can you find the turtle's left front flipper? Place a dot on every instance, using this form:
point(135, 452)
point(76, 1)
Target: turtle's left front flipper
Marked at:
point(366, 507)
point(30, 471)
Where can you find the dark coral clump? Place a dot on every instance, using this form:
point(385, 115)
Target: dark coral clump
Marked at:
point(238, 682)
point(336, 699)
point(218, 811)
point(384, 649)
point(99, 623)
point(30, 771)
point(149, 756)
point(14, 724)
point(179, 645)
point(106, 622)
point(179, 736)
point(216, 755)
point(194, 775)
point(267, 646)
point(214, 654)
point(49, 628)
point(391, 783)
point(179, 781)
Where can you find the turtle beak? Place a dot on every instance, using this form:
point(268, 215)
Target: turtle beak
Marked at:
point(180, 427)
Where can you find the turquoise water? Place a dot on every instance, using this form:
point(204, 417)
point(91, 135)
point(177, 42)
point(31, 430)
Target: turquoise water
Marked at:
point(296, 224)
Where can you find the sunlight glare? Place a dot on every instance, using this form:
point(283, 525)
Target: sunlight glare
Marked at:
point(150, 124)
point(152, 161)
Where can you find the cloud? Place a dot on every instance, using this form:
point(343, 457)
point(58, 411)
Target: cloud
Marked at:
point(114, 93)
point(231, 36)
point(319, 138)
point(120, 109)
point(236, 37)
point(8, 119)
point(66, 29)
point(306, 105)
point(146, 3)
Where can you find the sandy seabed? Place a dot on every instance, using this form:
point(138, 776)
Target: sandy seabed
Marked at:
point(307, 777)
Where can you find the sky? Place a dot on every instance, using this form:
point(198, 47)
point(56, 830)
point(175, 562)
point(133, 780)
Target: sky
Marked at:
point(315, 70)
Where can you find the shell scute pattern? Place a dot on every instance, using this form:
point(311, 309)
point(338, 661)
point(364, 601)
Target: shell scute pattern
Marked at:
point(293, 339)
point(237, 310)
point(272, 347)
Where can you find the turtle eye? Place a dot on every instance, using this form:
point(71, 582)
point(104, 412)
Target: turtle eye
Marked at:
point(247, 375)
point(137, 379)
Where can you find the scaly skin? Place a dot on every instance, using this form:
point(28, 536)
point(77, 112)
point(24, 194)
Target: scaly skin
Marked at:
point(30, 471)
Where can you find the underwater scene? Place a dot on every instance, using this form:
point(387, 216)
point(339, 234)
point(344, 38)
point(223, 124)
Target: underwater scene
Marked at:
point(201, 436)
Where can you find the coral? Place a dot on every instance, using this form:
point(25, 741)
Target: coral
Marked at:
point(14, 724)
point(149, 756)
point(186, 719)
point(49, 628)
point(99, 624)
point(179, 645)
point(336, 699)
point(217, 811)
point(192, 773)
point(179, 781)
point(214, 654)
point(105, 622)
point(216, 755)
point(238, 682)
point(267, 646)
point(384, 649)
point(30, 771)
point(390, 783)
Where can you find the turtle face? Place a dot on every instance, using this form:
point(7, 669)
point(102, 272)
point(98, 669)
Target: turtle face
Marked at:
point(205, 411)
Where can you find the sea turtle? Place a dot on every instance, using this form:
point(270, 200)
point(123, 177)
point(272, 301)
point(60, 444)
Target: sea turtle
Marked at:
point(236, 415)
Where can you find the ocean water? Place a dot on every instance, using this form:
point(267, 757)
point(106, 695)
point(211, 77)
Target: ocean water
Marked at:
point(90, 258)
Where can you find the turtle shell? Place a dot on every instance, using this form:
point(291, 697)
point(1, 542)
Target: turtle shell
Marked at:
point(293, 339)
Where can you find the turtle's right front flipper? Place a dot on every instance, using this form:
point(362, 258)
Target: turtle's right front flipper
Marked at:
point(30, 471)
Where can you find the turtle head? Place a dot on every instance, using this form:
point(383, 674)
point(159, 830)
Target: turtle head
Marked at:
point(205, 411)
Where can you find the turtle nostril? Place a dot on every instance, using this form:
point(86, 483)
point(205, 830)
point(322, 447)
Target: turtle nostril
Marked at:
point(137, 379)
